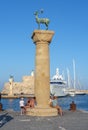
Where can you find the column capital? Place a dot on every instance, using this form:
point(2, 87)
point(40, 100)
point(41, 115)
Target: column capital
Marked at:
point(42, 36)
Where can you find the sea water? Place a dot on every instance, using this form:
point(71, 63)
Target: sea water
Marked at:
point(80, 100)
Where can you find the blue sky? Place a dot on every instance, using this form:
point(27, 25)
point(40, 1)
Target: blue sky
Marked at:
point(69, 21)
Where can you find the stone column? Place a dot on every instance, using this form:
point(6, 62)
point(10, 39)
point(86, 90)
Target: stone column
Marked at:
point(42, 40)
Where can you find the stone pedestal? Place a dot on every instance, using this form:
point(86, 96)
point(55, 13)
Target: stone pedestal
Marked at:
point(40, 111)
point(42, 40)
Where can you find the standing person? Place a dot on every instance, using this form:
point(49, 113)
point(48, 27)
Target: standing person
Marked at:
point(22, 107)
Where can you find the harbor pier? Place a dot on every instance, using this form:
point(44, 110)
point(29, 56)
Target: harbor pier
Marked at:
point(77, 120)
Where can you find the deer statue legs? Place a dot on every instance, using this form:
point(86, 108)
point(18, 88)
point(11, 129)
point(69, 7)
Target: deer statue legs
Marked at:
point(45, 25)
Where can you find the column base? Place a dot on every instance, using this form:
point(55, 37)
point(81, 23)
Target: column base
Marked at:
point(41, 111)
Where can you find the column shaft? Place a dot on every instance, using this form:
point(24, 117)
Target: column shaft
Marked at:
point(42, 74)
point(42, 39)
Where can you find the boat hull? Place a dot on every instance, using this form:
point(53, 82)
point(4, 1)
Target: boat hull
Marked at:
point(57, 90)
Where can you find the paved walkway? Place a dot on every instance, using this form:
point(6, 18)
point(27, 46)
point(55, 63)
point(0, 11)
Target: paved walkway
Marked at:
point(69, 121)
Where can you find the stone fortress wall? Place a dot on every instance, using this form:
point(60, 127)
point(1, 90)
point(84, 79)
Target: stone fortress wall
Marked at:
point(24, 87)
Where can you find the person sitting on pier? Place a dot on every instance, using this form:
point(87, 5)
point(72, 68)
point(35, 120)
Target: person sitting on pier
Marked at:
point(31, 103)
point(72, 106)
point(28, 102)
point(50, 101)
point(54, 103)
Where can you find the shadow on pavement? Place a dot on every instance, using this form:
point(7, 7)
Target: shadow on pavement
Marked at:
point(4, 118)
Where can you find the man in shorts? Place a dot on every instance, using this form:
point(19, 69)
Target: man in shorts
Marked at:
point(22, 106)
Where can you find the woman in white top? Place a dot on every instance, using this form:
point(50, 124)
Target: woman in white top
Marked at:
point(22, 106)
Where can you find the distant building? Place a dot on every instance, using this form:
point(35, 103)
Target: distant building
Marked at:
point(24, 87)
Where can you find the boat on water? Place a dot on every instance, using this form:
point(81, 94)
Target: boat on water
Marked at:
point(80, 92)
point(58, 85)
point(72, 91)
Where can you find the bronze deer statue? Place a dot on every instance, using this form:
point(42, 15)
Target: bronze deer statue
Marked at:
point(45, 21)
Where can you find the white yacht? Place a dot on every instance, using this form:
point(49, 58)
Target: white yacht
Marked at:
point(80, 92)
point(58, 85)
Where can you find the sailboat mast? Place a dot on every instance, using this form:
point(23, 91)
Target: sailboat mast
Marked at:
point(68, 78)
point(74, 74)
